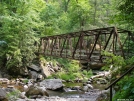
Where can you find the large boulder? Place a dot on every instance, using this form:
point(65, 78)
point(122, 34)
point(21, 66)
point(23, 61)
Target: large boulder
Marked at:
point(85, 88)
point(33, 74)
point(34, 67)
point(3, 95)
point(36, 91)
point(52, 84)
point(96, 65)
point(12, 93)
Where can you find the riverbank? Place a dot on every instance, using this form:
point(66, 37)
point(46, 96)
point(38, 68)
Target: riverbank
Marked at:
point(49, 90)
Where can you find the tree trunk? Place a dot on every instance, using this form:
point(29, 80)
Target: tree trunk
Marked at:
point(66, 4)
point(95, 10)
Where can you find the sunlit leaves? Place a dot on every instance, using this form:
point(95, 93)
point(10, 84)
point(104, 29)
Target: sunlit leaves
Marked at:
point(123, 14)
point(78, 14)
point(50, 15)
point(20, 23)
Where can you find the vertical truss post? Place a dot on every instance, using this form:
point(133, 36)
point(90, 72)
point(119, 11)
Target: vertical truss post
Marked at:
point(108, 41)
point(62, 47)
point(59, 46)
point(80, 43)
point(66, 47)
point(45, 45)
point(119, 41)
point(76, 45)
point(116, 43)
point(97, 37)
point(42, 45)
point(113, 43)
point(49, 46)
point(70, 44)
point(52, 46)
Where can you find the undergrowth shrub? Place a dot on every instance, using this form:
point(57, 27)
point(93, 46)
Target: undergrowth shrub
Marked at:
point(12, 96)
point(70, 70)
point(125, 87)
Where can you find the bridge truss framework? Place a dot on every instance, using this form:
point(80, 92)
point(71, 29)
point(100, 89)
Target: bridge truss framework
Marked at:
point(88, 45)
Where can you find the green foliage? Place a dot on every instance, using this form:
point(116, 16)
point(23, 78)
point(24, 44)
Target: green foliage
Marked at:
point(25, 81)
point(12, 96)
point(126, 12)
point(3, 46)
point(126, 88)
point(88, 74)
point(78, 14)
point(70, 70)
point(113, 63)
point(50, 15)
point(73, 66)
point(122, 14)
point(20, 26)
point(69, 15)
point(119, 66)
point(67, 76)
point(123, 17)
point(42, 60)
point(130, 61)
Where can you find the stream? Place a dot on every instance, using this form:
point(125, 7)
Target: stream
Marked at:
point(77, 94)
point(71, 91)
point(70, 95)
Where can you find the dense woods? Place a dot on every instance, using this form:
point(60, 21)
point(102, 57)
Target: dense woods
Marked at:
point(23, 22)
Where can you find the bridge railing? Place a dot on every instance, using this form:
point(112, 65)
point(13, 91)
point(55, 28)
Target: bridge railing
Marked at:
point(117, 80)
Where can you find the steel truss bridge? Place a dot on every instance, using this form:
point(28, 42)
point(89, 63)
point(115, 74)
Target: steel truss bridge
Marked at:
point(88, 45)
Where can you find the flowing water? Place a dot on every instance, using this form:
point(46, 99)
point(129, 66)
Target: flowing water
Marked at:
point(69, 93)
point(74, 93)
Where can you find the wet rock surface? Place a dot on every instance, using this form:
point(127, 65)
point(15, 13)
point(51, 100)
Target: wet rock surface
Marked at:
point(2, 94)
point(53, 84)
point(35, 67)
point(49, 68)
point(37, 91)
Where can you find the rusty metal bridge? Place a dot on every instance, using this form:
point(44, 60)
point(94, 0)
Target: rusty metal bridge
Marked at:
point(88, 45)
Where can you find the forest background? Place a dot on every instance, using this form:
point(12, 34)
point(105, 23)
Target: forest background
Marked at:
point(23, 22)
